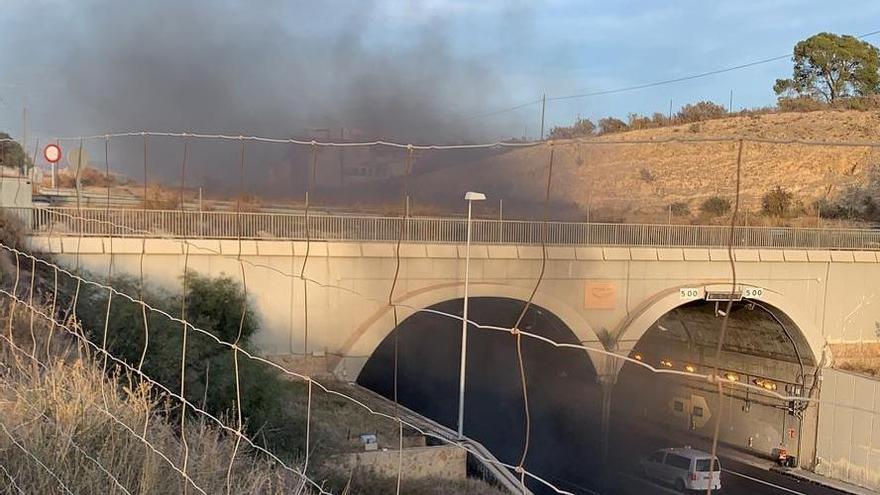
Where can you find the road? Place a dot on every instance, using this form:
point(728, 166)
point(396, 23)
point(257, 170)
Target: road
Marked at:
point(737, 477)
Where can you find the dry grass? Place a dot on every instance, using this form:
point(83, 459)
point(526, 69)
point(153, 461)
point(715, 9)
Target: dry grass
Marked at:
point(860, 358)
point(65, 411)
point(609, 178)
point(80, 423)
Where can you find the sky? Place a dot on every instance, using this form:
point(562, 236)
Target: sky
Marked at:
point(420, 71)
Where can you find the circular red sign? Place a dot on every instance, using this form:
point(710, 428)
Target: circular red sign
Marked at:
point(52, 153)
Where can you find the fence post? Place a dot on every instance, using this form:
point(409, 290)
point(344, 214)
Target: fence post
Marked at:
point(501, 221)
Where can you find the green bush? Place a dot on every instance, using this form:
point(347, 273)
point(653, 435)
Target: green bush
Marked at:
point(777, 202)
point(679, 209)
point(216, 305)
point(716, 206)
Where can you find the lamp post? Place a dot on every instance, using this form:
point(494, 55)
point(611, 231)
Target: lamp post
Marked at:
point(470, 197)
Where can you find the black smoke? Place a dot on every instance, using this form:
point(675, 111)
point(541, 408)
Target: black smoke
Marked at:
point(269, 67)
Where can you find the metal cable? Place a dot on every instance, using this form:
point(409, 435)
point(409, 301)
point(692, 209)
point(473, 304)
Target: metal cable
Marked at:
point(598, 140)
point(278, 367)
point(185, 288)
point(516, 326)
point(186, 403)
point(11, 480)
point(726, 316)
point(244, 296)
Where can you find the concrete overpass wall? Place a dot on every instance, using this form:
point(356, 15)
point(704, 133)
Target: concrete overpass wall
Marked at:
point(830, 296)
point(848, 446)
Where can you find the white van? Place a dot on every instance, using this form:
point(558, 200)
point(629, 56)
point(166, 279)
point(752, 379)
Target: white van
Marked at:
point(686, 468)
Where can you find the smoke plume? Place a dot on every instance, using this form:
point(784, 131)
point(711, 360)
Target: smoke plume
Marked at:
point(269, 67)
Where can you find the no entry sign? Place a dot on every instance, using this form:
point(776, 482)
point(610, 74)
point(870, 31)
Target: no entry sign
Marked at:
point(52, 153)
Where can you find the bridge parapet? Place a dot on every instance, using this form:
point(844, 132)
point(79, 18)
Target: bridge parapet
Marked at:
point(100, 222)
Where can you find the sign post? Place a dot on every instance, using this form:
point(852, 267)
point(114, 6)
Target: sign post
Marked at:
point(52, 154)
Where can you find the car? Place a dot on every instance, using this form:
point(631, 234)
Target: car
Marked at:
point(683, 467)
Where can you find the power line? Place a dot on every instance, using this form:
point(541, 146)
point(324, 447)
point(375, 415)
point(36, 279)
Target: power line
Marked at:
point(647, 85)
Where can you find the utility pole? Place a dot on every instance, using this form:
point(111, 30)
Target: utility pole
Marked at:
point(543, 110)
point(670, 111)
point(730, 105)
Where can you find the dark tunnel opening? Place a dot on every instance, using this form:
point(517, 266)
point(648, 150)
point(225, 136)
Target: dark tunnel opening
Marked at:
point(762, 347)
point(563, 395)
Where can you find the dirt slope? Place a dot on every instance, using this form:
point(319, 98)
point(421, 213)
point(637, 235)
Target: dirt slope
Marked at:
point(637, 180)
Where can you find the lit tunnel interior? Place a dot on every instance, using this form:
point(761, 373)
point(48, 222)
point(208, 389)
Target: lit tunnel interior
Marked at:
point(563, 395)
point(762, 346)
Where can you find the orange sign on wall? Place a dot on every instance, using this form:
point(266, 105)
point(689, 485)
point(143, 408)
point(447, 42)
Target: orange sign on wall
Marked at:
point(600, 295)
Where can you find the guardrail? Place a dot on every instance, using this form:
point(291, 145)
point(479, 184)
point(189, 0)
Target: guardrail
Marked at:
point(263, 225)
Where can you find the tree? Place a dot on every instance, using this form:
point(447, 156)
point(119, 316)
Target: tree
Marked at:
point(11, 154)
point(777, 202)
point(700, 111)
point(581, 128)
point(610, 124)
point(828, 66)
point(637, 121)
point(679, 209)
point(715, 205)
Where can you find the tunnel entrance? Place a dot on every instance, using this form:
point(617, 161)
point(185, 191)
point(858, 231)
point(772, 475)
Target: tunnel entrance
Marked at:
point(564, 398)
point(762, 346)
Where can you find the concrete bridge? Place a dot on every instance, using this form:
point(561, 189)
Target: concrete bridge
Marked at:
point(612, 286)
point(608, 283)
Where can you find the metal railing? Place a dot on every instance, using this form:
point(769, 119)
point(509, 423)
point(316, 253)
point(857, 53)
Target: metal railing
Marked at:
point(263, 225)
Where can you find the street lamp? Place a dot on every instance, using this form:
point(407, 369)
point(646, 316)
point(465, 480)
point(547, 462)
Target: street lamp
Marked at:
point(470, 197)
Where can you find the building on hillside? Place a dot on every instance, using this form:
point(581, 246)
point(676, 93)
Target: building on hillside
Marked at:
point(340, 166)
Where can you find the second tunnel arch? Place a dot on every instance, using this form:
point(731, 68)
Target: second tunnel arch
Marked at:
point(633, 328)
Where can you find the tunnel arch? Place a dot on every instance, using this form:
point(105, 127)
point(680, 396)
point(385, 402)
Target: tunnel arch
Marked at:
point(418, 363)
point(639, 321)
point(378, 325)
point(770, 343)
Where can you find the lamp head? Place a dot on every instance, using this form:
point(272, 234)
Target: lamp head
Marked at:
point(474, 196)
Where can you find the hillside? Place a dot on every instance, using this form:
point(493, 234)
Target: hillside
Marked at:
point(638, 181)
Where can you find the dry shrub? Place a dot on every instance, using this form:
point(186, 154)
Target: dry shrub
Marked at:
point(12, 234)
point(65, 408)
point(859, 358)
point(93, 177)
point(160, 198)
point(248, 202)
point(801, 104)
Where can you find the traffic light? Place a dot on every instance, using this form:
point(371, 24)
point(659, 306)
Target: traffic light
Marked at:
point(791, 408)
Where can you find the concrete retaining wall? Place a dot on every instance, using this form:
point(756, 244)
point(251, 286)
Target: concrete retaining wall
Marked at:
point(848, 446)
point(446, 462)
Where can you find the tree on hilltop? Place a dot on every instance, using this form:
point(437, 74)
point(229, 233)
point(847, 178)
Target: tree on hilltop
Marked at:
point(581, 128)
point(829, 66)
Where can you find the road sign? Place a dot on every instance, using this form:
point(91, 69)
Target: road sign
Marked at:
point(52, 153)
point(753, 292)
point(689, 293)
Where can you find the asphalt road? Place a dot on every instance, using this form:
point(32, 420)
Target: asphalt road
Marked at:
point(629, 443)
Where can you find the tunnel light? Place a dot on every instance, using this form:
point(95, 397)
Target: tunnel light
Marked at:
point(765, 384)
point(637, 356)
point(690, 368)
point(732, 377)
point(666, 363)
